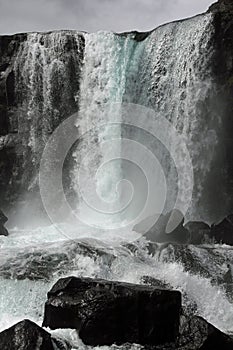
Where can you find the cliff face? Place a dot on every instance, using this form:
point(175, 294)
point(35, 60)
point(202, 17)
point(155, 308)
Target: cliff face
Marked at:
point(222, 64)
point(39, 87)
point(9, 150)
point(183, 70)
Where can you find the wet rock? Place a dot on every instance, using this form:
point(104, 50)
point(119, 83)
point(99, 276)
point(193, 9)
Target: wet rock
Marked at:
point(167, 229)
point(107, 312)
point(25, 335)
point(151, 281)
point(222, 5)
point(198, 231)
point(44, 264)
point(3, 220)
point(3, 231)
point(197, 333)
point(19, 164)
point(223, 232)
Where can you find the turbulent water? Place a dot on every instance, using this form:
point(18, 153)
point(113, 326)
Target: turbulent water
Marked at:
point(170, 72)
point(32, 261)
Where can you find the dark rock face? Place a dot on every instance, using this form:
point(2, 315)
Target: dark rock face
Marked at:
point(3, 220)
point(223, 232)
point(25, 335)
point(198, 231)
point(222, 66)
point(111, 312)
point(194, 232)
point(158, 232)
point(151, 281)
point(199, 334)
point(39, 85)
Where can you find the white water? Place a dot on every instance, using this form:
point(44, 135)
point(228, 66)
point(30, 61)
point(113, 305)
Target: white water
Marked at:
point(170, 72)
point(28, 257)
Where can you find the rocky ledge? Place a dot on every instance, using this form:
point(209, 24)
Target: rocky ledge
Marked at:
point(193, 232)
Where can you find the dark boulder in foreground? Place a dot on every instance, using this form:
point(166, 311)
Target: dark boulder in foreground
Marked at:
point(25, 335)
point(198, 334)
point(3, 220)
point(223, 232)
point(107, 312)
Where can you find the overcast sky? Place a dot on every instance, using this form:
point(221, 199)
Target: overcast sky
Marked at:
point(93, 15)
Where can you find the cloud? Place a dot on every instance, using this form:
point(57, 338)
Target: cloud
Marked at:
point(93, 15)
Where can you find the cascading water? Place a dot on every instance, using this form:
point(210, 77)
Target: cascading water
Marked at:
point(46, 69)
point(103, 82)
point(58, 74)
point(43, 75)
point(171, 73)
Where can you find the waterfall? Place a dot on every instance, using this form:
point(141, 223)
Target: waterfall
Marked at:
point(47, 69)
point(170, 72)
point(106, 60)
point(174, 77)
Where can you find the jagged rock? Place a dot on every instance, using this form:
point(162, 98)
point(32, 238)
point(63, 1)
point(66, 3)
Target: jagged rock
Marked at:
point(25, 335)
point(198, 231)
point(3, 220)
point(223, 232)
point(151, 281)
point(43, 264)
point(107, 312)
point(158, 232)
point(61, 344)
point(222, 5)
point(3, 231)
point(198, 334)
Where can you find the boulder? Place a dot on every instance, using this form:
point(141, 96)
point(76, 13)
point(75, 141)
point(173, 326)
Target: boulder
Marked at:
point(198, 334)
point(198, 231)
point(223, 231)
point(25, 335)
point(107, 312)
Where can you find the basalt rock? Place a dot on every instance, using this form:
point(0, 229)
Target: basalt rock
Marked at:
point(158, 233)
point(3, 220)
point(107, 312)
point(197, 334)
point(25, 335)
point(223, 231)
point(198, 231)
point(26, 121)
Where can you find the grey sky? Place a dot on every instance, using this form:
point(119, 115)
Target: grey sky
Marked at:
point(93, 15)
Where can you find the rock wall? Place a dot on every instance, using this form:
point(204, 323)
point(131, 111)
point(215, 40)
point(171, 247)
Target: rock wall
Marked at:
point(39, 87)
